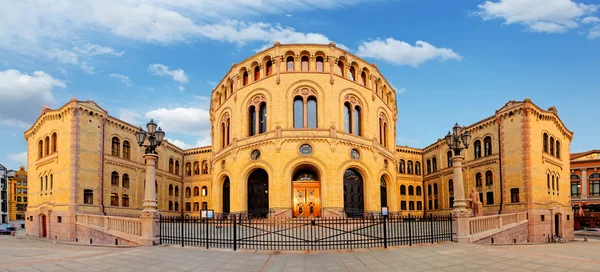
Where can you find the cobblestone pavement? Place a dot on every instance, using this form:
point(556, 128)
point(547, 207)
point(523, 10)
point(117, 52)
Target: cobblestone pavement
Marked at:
point(22, 254)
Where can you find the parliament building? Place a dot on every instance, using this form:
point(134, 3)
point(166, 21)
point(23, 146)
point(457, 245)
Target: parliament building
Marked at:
point(298, 130)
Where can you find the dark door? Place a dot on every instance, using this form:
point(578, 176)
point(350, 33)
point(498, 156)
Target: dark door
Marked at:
point(556, 224)
point(383, 192)
point(353, 193)
point(226, 193)
point(44, 234)
point(258, 194)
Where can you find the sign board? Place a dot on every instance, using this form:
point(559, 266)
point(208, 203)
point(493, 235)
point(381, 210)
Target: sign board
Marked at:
point(207, 214)
point(384, 211)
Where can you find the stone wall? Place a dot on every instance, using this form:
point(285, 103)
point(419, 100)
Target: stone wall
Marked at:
point(516, 235)
point(94, 237)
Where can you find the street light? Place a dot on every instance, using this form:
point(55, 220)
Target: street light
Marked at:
point(455, 139)
point(155, 137)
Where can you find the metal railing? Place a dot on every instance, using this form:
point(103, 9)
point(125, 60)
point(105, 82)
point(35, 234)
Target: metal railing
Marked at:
point(242, 232)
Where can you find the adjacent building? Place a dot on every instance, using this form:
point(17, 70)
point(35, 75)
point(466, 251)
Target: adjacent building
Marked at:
point(299, 130)
point(3, 195)
point(17, 194)
point(585, 188)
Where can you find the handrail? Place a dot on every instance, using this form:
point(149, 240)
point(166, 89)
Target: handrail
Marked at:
point(485, 223)
point(122, 227)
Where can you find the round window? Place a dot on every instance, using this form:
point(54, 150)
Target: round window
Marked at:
point(354, 154)
point(305, 149)
point(255, 155)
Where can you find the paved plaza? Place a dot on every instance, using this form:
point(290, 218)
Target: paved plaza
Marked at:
point(23, 254)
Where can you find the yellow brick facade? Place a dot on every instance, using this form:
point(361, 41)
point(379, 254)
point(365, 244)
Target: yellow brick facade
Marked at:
point(17, 194)
point(280, 103)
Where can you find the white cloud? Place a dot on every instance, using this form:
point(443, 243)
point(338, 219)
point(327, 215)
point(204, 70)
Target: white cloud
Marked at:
point(192, 121)
point(181, 88)
point(550, 16)
point(130, 116)
point(23, 95)
point(122, 78)
point(87, 68)
point(64, 56)
point(19, 158)
point(594, 32)
point(89, 49)
point(162, 70)
point(590, 20)
point(402, 53)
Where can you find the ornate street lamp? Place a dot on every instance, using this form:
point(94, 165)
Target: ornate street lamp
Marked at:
point(458, 141)
point(155, 137)
point(455, 139)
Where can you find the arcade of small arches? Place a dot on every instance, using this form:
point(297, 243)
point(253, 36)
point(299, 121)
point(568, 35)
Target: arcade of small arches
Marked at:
point(199, 168)
point(551, 145)
point(48, 145)
point(552, 179)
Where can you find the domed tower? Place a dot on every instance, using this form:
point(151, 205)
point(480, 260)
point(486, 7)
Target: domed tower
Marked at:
point(303, 130)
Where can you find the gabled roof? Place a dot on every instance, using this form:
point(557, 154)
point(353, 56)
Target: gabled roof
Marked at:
point(593, 154)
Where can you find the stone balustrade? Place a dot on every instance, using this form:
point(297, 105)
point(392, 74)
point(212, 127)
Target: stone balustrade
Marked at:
point(121, 227)
point(494, 222)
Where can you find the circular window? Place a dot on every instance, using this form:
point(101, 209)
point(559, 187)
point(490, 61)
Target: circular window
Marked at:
point(255, 155)
point(305, 149)
point(354, 154)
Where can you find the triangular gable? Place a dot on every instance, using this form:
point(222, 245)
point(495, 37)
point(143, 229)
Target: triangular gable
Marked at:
point(586, 156)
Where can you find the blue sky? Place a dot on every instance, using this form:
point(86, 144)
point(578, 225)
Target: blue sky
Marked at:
point(449, 61)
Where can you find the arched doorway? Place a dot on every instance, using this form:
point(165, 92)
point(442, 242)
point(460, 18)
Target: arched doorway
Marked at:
point(383, 192)
point(258, 194)
point(44, 230)
point(306, 192)
point(226, 197)
point(354, 203)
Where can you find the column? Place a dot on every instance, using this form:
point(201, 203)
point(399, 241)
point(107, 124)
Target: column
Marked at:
point(278, 67)
point(584, 184)
point(460, 211)
point(148, 218)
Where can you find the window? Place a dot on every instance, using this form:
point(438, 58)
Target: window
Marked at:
point(489, 178)
point(418, 168)
point(126, 150)
point(88, 196)
point(196, 168)
point(411, 205)
point(114, 178)
point(170, 205)
point(196, 206)
point(19, 199)
point(188, 206)
point(40, 149)
point(411, 190)
point(196, 191)
point(363, 80)
point(419, 205)
point(46, 183)
point(553, 184)
point(449, 157)
point(41, 183)
point(312, 112)
point(262, 123)
point(548, 182)
point(319, 64)
point(256, 73)
point(204, 168)
point(340, 66)
point(205, 205)
point(595, 184)
point(115, 146)
point(477, 149)
point(170, 189)
point(352, 73)
point(304, 63)
point(245, 78)
point(188, 169)
point(542, 218)
point(54, 139)
point(428, 166)
point(409, 169)
point(289, 64)
point(18, 190)
point(188, 192)
point(545, 142)
point(305, 109)
point(171, 165)
point(401, 167)
point(403, 205)
point(25, 192)
point(434, 164)
point(487, 146)
point(125, 181)
point(204, 191)
point(177, 167)
point(347, 116)
point(514, 195)
point(557, 149)
point(269, 66)
point(176, 206)
point(47, 146)
point(489, 198)
point(429, 190)
point(575, 189)
point(419, 190)
point(383, 130)
point(298, 113)
point(551, 145)
point(51, 181)
point(402, 190)
point(125, 201)
point(176, 191)
point(252, 120)
point(225, 129)
point(478, 180)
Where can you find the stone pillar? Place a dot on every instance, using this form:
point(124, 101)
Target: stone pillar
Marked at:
point(584, 184)
point(460, 212)
point(149, 216)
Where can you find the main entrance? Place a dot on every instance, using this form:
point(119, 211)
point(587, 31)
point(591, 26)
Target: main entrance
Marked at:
point(354, 203)
point(306, 193)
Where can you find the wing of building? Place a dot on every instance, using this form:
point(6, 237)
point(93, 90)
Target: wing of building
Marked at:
point(3, 195)
point(298, 130)
point(585, 188)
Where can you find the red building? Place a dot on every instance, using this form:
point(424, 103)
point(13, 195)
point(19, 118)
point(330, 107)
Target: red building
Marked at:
point(585, 188)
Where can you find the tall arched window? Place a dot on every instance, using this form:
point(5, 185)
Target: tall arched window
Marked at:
point(115, 146)
point(256, 73)
point(478, 180)
point(401, 167)
point(312, 112)
point(340, 66)
point(176, 167)
point(319, 64)
point(428, 166)
point(204, 167)
point(51, 181)
point(418, 168)
point(289, 64)
point(188, 169)
point(449, 157)
point(409, 167)
point(352, 73)
point(435, 196)
point(352, 115)
point(54, 139)
point(411, 190)
point(171, 165)
point(363, 78)
point(402, 190)
point(225, 130)
point(252, 120)
point(477, 149)
point(170, 189)
point(383, 130)
point(419, 191)
point(557, 149)
point(545, 143)
point(262, 116)
point(41, 183)
point(245, 78)
point(125, 182)
point(40, 149)
point(594, 184)
point(188, 192)
point(196, 191)
point(434, 164)
point(347, 116)
point(356, 119)
point(553, 187)
point(304, 63)
point(269, 67)
point(47, 146)
point(196, 168)
point(305, 108)
point(548, 182)
point(126, 150)
point(204, 191)
point(176, 190)
point(487, 146)
point(489, 178)
point(298, 112)
point(114, 178)
point(551, 145)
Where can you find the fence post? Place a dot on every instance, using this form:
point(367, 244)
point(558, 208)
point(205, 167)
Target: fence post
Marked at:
point(181, 229)
point(234, 233)
point(160, 225)
point(206, 232)
point(431, 226)
point(409, 231)
point(384, 231)
point(450, 222)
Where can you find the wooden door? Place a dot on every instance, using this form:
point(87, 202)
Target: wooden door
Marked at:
point(44, 226)
point(307, 199)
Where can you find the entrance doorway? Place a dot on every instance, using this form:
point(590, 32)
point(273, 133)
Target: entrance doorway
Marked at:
point(226, 197)
point(306, 194)
point(557, 224)
point(354, 203)
point(44, 231)
point(258, 194)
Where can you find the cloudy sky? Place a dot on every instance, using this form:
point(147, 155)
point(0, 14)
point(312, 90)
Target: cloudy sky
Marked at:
point(450, 61)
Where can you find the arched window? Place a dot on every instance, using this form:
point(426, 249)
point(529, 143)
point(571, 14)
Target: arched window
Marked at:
point(352, 73)
point(557, 149)
point(304, 63)
point(262, 118)
point(46, 183)
point(225, 130)
point(204, 168)
point(54, 139)
point(196, 191)
point(401, 167)
point(188, 169)
point(196, 168)
point(298, 112)
point(125, 200)
point(428, 166)
point(319, 64)
point(552, 146)
point(305, 109)
point(594, 184)
point(545, 142)
point(418, 191)
point(51, 181)
point(269, 66)
point(409, 168)
point(429, 191)
point(402, 190)
point(340, 66)
point(125, 182)
point(114, 178)
point(170, 205)
point(40, 149)
point(411, 190)
point(548, 182)
point(256, 73)
point(477, 149)
point(449, 157)
point(47, 146)
point(383, 130)
point(553, 187)
point(176, 190)
point(352, 115)
point(204, 191)
point(245, 78)
point(418, 168)
point(434, 164)
point(171, 165)
point(176, 167)
point(347, 116)
point(363, 78)
point(290, 64)
point(114, 199)
point(126, 150)
point(487, 146)
point(478, 180)
point(115, 146)
point(188, 192)
point(312, 112)
point(489, 178)
point(357, 120)
point(252, 120)
point(41, 183)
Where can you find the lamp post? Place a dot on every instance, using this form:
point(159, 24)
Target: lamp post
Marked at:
point(149, 213)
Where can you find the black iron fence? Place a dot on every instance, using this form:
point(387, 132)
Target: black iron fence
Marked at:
point(238, 232)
